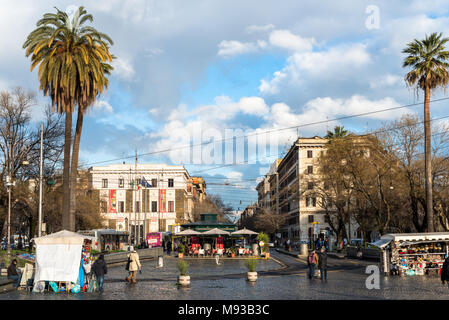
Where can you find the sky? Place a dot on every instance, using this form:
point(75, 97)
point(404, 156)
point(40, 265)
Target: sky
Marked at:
point(188, 71)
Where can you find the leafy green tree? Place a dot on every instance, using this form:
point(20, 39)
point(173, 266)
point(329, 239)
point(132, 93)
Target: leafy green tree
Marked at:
point(73, 67)
point(428, 60)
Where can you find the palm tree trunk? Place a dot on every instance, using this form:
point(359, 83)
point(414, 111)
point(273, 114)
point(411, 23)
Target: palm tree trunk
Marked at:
point(74, 166)
point(428, 164)
point(66, 173)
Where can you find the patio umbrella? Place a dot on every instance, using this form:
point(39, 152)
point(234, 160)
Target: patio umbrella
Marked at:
point(217, 232)
point(244, 231)
point(188, 232)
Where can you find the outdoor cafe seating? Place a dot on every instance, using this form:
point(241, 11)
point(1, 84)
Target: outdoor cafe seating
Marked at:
point(211, 243)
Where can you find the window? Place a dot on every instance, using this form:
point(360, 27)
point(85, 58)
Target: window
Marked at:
point(311, 218)
point(311, 202)
point(137, 206)
point(105, 183)
point(139, 181)
point(103, 206)
point(309, 169)
point(121, 183)
point(153, 206)
point(170, 183)
point(309, 154)
point(154, 183)
point(310, 185)
point(171, 206)
point(121, 206)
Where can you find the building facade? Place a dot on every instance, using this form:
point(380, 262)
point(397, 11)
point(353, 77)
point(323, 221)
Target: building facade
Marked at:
point(291, 191)
point(144, 197)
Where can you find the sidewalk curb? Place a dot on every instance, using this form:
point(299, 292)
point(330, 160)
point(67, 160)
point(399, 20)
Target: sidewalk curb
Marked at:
point(335, 256)
point(290, 254)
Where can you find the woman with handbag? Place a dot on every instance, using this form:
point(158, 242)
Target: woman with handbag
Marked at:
point(134, 265)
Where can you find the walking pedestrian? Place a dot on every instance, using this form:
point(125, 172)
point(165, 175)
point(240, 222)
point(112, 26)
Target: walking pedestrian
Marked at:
point(100, 269)
point(445, 271)
point(14, 274)
point(312, 260)
point(322, 264)
point(169, 247)
point(134, 265)
point(87, 271)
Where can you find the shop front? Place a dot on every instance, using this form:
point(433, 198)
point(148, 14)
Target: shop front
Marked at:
point(413, 253)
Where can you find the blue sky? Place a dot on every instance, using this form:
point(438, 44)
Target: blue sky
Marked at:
point(249, 65)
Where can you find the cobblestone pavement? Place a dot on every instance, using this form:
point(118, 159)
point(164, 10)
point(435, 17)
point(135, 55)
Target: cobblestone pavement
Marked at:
point(285, 281)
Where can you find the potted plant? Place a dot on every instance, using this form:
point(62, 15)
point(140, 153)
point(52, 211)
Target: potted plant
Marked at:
point(232, 250)
point(183, 278)
point(251, 265)
point(181, 249)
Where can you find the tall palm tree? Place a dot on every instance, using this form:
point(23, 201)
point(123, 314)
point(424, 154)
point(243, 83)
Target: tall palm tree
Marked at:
point(428, 60)
point(73, 66)
point(339, 132)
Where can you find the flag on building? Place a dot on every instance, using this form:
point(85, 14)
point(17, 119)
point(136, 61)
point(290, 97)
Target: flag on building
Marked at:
point(145, 183)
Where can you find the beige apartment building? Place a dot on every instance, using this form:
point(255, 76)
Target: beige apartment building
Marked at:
point(291, 191)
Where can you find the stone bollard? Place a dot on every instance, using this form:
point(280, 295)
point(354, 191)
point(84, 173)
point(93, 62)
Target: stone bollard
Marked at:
point(160, 262)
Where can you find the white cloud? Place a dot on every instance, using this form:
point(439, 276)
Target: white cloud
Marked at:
point(355, 105)
point(153, 52)
point(234, 175)
point(103, 106)
point(336, 62)
point(233, 48)
point(257, 28)
point(388, 80)
point(400, 31)
point(123, 68)
point(287, 40)
point(179, 132)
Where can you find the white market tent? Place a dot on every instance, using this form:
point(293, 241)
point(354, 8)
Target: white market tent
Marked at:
point(58, 256)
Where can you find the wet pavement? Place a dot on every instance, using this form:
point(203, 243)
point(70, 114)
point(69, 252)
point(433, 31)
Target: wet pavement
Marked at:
point(286, 281)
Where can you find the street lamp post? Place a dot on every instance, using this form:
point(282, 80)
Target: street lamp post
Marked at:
point(9, 186)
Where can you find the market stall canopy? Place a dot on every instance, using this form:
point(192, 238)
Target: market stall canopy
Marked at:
point(382, 243)
point(406, 239)
point(62, 237)
point(216, 231)
point(188, 232)
point(58, 256)
point(244, 231)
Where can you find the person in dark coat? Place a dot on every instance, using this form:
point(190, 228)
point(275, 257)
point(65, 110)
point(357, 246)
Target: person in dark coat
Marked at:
point(445, 271)
point(99, 268)
point(14, 274)
point(322, 264)
point(169, 247)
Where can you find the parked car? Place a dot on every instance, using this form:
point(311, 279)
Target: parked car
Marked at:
point(356, 242)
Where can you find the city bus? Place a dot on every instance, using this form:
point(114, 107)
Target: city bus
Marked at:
point(107, 239)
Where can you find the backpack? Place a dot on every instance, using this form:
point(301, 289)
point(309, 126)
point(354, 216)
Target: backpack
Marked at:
point(311, 260)
point(127, 264)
